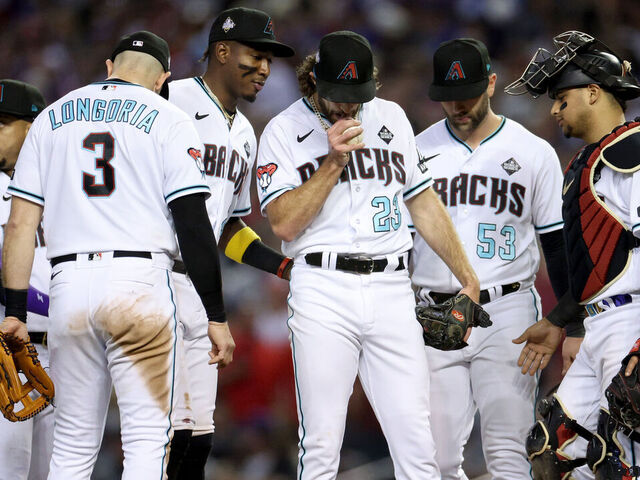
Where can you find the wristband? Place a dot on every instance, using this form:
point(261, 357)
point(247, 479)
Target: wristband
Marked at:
point(217, 317)
point(16, 304)
point(285, 266)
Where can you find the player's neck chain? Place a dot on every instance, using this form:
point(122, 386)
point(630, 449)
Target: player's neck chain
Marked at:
point(316, 110)
point(229, 117)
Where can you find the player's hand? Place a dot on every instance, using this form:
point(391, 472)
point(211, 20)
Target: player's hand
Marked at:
point(14, 327)
point(473, 292)
point(222, 344)
point(542, 340)
point(570, 348)
point(339, 138)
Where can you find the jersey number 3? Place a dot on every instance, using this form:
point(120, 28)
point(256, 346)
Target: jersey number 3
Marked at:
point(108, 184)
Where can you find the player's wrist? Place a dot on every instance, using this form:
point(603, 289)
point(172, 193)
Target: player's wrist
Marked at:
point(16, 303)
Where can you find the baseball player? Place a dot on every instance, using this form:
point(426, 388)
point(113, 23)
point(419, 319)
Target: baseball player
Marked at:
point(241, 47)
point(25, 447)
point(502, 187)
point(337, 167)
point(589, 85)
point(110, 167)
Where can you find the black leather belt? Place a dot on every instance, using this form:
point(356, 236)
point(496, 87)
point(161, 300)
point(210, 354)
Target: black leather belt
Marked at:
point(116, 254)
point(485, 296)
point(38, 337)
point(179, 267)
point(354, 263)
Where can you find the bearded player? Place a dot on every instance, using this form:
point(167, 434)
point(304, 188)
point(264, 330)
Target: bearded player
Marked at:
point(241, 48)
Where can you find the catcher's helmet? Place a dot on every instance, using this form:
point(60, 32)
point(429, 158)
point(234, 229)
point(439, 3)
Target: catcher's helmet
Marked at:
point(580, 60)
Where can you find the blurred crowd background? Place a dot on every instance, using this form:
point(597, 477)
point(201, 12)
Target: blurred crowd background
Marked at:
point(60, 45)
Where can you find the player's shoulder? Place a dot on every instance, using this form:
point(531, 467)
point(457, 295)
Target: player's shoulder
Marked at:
point(287, 118)
point(385, 107)
point(432, 135)
point(515, 131)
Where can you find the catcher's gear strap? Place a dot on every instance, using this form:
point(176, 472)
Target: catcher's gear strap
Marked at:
point(598, 242)
point(18, 357)
point(547, 439)
point(606, 455)
point(239, 243)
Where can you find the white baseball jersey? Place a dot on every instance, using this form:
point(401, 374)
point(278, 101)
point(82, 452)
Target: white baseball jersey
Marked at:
point(499, 196)
point(41, 270)
point(362, 214)
point(229, 153)
point(107, 167)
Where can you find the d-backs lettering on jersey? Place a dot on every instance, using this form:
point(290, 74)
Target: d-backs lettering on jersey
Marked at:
point(107, 185)
point(499, 196)
point(229, 153)
point(363, 212)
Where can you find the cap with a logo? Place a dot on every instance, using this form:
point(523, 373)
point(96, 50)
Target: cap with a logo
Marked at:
point(20, 99)
point(461, 70)
point(344, 68)
point(249, 26)
point(151, 44)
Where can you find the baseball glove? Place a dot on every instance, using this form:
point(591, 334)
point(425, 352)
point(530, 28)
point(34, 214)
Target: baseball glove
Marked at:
point(19, 357)
point(623, 393)
point(445, 324)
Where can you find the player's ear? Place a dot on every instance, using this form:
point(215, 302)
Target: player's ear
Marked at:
point(222, 51)
point(491, 88)
point(594, 92)
point(160, 81)
point(109, 64)
point(312, 76)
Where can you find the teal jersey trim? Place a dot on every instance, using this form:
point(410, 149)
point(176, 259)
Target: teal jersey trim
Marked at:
point(202, 188)
point(173, 372)
point(295, 375)
point(204, 88)
point(542, 227)
point(308, 105)
point(455, 137)
point(264, 200)
point(24, 192)
point(409, 193)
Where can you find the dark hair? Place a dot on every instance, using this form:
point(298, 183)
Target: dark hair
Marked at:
point(306, 85)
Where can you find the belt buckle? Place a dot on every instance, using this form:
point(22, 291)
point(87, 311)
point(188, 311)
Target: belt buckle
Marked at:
point(363, 264)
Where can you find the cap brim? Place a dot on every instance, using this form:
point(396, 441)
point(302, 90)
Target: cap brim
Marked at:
point(452, 93)
point(278, 49)
point(343, 93)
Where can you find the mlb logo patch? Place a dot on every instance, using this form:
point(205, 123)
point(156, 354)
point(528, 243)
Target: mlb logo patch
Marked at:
point(228, 25)
point(109, 87)
point(511, 166)
point(455, 71)
point(385, 135)
point(138, 43)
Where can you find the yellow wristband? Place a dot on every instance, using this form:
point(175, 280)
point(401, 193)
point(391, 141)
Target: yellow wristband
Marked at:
point(239, 243)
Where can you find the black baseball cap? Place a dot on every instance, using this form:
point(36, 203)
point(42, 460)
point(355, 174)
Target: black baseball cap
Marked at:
point(461, 70)
point(344, 68)
point(20, 99)
point(151, 44)
point(250, 27)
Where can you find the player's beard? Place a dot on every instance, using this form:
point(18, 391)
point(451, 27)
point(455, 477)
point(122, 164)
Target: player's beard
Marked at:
point(476, 115)
point(335, 114)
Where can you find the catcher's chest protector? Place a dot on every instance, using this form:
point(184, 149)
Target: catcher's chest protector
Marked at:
point(598, 243)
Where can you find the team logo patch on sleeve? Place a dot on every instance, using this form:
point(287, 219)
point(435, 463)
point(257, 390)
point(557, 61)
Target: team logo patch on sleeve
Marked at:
point(385, 134)
point(197, 157)
point(511, 166)
point(455, 71)
point(264, 173)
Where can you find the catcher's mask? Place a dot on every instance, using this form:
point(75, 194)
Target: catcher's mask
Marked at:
point(579, 60)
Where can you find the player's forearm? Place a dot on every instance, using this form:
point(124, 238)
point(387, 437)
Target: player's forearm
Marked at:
point(434, 224)
point(292, 212)
point(199, 252)
point(19, 248)
point(241, 244)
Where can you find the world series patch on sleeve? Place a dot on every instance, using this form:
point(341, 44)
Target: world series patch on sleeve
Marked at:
point(18, 357)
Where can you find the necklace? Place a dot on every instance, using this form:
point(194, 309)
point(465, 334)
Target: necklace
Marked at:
point(229, 117)
point(317, 112)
